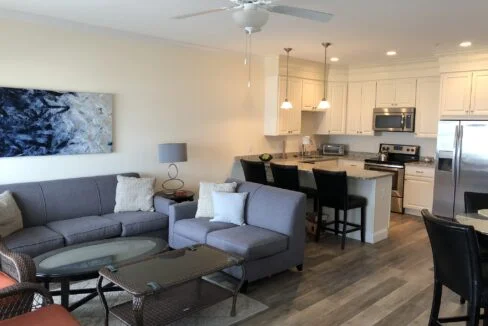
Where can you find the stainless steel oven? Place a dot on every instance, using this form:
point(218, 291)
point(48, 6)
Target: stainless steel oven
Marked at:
point(394, 119)
point(398, 178)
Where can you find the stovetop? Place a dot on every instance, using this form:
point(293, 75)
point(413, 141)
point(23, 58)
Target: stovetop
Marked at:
point(397, 154)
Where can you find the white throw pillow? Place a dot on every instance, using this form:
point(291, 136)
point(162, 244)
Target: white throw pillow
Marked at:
point(229, 207)
point(205, 204)
point(134, 194)
point(10, 215)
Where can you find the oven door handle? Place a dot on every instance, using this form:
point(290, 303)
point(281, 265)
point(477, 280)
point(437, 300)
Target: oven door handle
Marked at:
point(388, 167)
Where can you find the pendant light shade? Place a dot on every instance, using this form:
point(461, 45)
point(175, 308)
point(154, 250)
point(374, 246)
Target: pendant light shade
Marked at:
point(286, 105)
point(324, 104)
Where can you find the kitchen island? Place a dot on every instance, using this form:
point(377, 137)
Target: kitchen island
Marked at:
point(373, 185)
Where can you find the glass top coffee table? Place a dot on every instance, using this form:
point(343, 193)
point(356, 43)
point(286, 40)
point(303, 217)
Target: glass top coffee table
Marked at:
point(169, 286)
point(83, 261)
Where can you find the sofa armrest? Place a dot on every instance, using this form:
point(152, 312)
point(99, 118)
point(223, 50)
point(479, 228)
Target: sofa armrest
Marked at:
point(182, 211)
point(162, 205)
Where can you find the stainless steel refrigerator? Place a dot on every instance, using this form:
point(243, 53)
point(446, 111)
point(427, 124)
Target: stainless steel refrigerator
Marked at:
point(461, 164)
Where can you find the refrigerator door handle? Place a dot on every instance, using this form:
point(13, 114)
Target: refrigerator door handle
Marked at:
point(459, 154)
point(454, 157)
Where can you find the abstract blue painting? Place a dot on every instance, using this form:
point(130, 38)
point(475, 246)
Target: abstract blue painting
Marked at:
point(41, 122)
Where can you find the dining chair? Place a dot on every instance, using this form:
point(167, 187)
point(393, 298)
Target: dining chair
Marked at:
point(332, 192)
point(457, 265)
point(41, 309)
point(254, 171)
point(473, 202)
point(287, 177)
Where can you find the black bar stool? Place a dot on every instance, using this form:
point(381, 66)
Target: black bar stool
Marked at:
point(332, 192)
point(458, 266)
point(473, 202)
point(286, 177)
point(254, 171)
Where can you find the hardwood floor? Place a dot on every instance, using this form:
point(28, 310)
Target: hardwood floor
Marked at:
point(389, 283)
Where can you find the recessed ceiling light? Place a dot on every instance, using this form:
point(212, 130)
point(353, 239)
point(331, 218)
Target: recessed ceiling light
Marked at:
point(391, 53)
point(465, 44)
point(334, 59)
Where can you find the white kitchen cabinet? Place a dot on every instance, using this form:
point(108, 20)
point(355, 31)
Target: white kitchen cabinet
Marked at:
point(418, 188)
point(427, 108)
point(456, 93)
point(396, 92)
point(290, 121)
point(345, 164)
point(312, 94)
point(354, 99)
point(361, 101)
point(479, 93)
point(276, 120)
point(334, 119)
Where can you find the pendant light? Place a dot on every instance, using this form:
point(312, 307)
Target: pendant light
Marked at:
point(286, 105)
point(324, 104)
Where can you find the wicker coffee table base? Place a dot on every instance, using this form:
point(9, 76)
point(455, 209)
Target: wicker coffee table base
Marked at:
point(166, 306)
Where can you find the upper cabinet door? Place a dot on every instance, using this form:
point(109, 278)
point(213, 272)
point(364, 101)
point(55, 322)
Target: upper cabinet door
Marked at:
point(427, 114)
point(354, 101)
point(479, 93)
point(290, 121)
point(368, 102)
point(455, 93)
point(312, 94)
point(386, 93)
point(336, 115)
point(405, 92)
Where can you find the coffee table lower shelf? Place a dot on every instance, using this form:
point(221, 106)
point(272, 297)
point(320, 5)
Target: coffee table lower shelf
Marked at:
point(168, 306)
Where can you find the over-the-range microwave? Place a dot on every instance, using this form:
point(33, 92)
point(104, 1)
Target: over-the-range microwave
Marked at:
point(394, 119)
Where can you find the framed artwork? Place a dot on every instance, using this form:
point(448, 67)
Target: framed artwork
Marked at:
point(42, 122)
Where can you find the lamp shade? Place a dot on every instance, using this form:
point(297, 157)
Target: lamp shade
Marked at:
point(172, 152)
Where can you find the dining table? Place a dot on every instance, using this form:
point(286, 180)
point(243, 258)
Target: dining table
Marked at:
point(478, 221)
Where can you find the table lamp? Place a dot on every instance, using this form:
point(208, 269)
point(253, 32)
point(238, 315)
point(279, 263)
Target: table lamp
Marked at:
point(172, 153)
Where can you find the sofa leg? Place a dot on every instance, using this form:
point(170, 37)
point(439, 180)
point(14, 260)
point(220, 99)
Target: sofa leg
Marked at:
point(244, 287)
point(300, 267)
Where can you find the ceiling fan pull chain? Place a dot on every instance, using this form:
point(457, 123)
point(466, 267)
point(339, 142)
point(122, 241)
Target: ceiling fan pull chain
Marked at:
point(249, 60)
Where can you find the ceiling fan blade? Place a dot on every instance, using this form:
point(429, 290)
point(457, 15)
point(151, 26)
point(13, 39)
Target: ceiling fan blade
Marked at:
point(314, 15)
point(202, 13)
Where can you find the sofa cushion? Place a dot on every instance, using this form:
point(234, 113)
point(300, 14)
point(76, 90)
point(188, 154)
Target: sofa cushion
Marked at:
point(88, 228)
point(136, 223)
point(34, 241)
point(248, 241)
point(196, 229)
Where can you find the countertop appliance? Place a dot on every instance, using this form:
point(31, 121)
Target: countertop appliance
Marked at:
point(398, 155)
point(394, 119)
point(333, 149)
point(461, 164)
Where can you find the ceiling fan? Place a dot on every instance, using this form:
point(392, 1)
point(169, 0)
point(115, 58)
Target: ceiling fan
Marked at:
point(254, 14)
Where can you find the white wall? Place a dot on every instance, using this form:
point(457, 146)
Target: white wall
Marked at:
point(371, 143)
point(164, 92)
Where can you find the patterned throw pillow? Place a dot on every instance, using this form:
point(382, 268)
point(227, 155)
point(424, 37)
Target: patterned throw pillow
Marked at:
point(134, 194)
point(205, 203)
point(10, 215)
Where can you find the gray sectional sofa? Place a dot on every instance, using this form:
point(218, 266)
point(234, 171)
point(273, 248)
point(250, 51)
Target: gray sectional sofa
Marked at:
point(65, 212)
point(272, 241)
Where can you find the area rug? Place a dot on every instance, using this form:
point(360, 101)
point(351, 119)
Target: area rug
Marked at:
point(92, 313)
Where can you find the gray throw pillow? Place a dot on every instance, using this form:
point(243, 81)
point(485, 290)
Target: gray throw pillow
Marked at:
point(10, 215)
point(134, 194)
point(229, 207)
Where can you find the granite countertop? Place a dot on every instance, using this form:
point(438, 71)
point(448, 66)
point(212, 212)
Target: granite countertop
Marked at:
point(355, 173)
point(278, 157)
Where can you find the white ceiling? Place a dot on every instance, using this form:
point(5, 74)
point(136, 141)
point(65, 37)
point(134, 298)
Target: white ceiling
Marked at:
point(361, 31)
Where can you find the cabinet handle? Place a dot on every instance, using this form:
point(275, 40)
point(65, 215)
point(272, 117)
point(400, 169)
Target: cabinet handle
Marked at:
point(421, 172)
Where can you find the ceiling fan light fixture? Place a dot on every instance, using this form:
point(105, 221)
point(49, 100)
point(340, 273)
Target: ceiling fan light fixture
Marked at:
point(251, 19)
point(465, 44)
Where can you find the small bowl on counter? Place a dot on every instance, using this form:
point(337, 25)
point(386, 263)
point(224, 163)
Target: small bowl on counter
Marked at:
point(265, 157)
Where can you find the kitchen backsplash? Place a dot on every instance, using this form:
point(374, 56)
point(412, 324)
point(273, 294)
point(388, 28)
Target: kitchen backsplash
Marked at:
point(371, 143)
